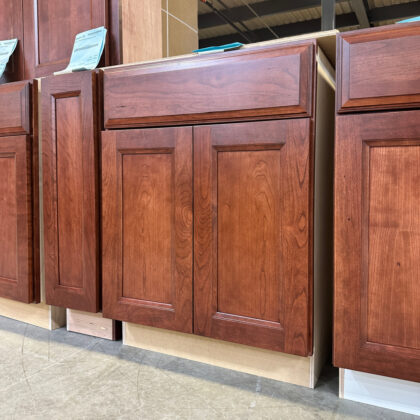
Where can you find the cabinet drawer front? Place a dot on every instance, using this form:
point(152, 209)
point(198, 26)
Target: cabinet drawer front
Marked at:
point(262, 83)
point(377, 244)
point(15, 108)
point(70, 186)
point(253, 234)
point(147, 226)
point(379, 68)
point(16, 245)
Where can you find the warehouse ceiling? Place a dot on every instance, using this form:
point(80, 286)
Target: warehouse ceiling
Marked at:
point(225, 21)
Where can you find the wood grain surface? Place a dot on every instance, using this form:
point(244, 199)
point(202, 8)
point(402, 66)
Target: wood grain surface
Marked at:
point(377, 244)
point(15, 104)
point(379, 68)
point(253, 188)
point(71, 191)
point(262, 82)
point(147, 226)
point(16, 246)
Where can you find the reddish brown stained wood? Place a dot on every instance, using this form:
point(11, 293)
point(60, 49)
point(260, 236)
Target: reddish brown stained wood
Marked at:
point(71, 192)
point(15, 102)
point(377, 244)
point(253, 211)
point(259, 82)
point(11, 26)
point(49, 40)
point(16, 246)
point(147, 226)
point(379, 68)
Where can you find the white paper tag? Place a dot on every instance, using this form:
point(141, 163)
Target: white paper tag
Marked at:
point(6, 50)
point(87, 50)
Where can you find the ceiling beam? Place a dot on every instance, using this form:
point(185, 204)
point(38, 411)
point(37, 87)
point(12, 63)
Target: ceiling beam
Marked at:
point(358, 7)
point(291, 29)
point(264, 8)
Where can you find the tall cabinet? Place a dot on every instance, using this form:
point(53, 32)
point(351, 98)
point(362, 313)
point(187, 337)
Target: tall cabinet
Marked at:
point(377, 202)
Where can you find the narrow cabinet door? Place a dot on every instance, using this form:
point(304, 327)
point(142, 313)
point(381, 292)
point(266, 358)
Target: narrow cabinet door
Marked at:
point(253, 234)
point(377, 244)
point(16, 245)
point(147, 226)
point(70, 191)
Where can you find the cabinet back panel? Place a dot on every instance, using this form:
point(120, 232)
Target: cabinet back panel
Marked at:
point(248, 258)
point(69, 184)
point(147, 226)
point(8, 217)
point(394, 246)
point(15, 108)
point(59, 21)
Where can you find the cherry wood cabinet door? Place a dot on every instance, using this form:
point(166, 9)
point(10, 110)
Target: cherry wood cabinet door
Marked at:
point(16, 244)
point(50, 28)
point(11, 26)
point(71, 191)
point(253, 211)
point(147, 226)
point(377, 244)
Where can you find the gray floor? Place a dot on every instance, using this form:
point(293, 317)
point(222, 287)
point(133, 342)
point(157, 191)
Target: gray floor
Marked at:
point(62, 375)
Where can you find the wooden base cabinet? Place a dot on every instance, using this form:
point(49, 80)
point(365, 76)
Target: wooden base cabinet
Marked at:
point(209, 229)
point(377, 215)
point(19, 227)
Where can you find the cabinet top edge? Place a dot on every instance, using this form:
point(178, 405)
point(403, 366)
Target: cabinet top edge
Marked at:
point(325, 39)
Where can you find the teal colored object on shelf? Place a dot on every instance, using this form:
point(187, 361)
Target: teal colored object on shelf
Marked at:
point(219, 48)
point(414, 19)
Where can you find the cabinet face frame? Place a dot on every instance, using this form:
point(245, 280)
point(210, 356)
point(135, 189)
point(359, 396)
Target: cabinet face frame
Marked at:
point(71, 138)
point(368, 330)
point(133, 291)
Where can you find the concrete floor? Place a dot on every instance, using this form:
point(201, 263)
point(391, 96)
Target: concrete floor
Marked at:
point(62, 375)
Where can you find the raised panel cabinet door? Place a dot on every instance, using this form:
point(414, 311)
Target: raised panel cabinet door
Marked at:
point(50, 28)
point(11, 26)
point(71, 191)
point(377, 244)
point(253, 211)
point(147, 226)
point(16, 244)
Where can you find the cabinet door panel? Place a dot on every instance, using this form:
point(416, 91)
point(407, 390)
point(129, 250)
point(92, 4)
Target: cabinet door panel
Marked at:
point(16, 246)
point(377, 244)
point(147, 226)
point(11, 26)
point(252, 231)
point(50, 28)
point(70, 182)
